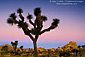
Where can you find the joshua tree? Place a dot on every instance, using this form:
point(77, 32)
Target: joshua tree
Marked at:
point(14, 44)
point(36, 31)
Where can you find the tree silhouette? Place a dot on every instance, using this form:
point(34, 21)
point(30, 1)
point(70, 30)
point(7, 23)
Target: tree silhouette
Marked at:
point(14, 44)
point(36, 31)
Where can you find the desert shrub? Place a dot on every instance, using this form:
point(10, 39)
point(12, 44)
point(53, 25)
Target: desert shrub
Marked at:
point(48, 55)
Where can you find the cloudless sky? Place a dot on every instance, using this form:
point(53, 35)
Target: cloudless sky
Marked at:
point(71, 26)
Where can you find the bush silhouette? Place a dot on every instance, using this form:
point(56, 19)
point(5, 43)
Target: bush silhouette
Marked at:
point(36, 31)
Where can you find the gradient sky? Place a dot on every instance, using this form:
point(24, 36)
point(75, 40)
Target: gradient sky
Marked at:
point(71, 26)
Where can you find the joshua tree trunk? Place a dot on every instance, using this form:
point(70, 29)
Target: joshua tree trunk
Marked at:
point(35, 48)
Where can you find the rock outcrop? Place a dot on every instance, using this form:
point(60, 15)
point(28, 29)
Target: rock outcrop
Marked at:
point(10, 48)
point(40, 49)
point(69, 47)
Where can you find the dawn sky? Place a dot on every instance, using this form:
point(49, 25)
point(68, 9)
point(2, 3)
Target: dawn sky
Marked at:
point(71, 26)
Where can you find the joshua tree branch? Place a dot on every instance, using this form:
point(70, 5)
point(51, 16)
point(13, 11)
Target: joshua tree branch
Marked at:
point(48, 29)
point(26, 30)
point(45, 30)
point(22, 18)
point(32, 23)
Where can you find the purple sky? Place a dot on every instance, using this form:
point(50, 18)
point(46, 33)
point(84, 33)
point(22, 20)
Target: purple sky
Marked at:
point(71, 27)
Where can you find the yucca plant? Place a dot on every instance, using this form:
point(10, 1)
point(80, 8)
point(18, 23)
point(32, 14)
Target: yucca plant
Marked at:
point(36, 31)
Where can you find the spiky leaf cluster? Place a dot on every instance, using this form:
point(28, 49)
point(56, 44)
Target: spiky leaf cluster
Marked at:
point(19, 10)
point(55, 21)
point(29, 16)
point(44, 18)
point(16, 42)
point(37, 11)
point(12, 20)
point(13, 16)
